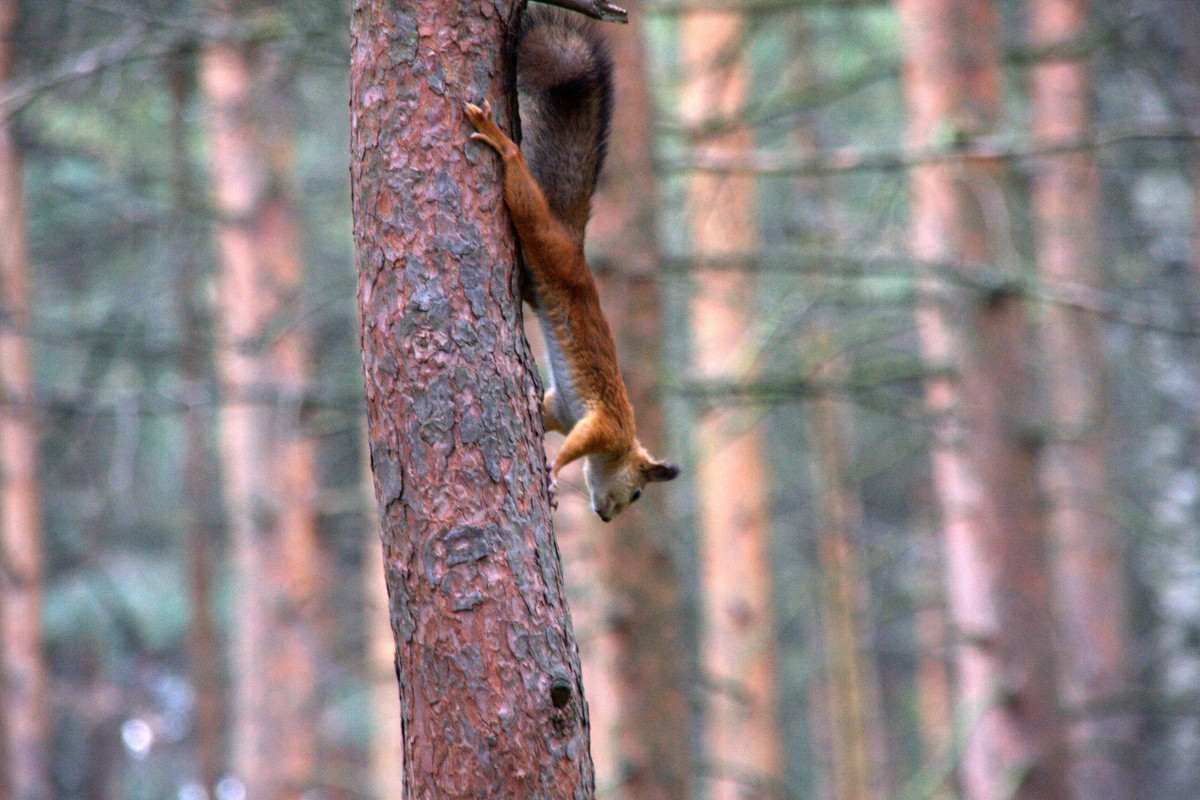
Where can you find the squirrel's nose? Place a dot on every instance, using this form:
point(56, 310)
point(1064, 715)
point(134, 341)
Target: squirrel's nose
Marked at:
point(604, 510)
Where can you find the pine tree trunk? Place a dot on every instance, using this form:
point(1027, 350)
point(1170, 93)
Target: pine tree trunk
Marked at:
point(199, 481)
point(23, 677)
point(1087, 540)
point(269, 460)
point(859, 744)
point(933, 681)
point(854, 734)
point(491, 696)
point(646, 616)
point(743, 738)
point(984, 472)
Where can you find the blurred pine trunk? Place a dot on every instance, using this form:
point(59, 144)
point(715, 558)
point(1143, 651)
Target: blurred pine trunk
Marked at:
point(1087, 541)
point(744, 748)
point(387, 737)
point(267, 456)
point(859, 743)
point(196, 370)
point(934, 685)
point(645, 616)
point(23, 678)
point(853, 726)
point(580, 541)
point(973, 331)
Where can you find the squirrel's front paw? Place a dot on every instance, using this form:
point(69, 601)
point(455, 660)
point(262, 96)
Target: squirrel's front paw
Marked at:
point(479, 116)
point(487, 131)
point(485, 127)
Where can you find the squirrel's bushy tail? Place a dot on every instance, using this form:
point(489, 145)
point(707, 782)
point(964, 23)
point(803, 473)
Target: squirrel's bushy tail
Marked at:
point(564, 78)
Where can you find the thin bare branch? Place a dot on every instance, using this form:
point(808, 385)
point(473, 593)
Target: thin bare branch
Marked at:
point(132, 45)
point(753, 7)
point(596, 9)
point(852, 159)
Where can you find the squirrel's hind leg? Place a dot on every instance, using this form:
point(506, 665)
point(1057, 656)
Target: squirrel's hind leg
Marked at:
point(550, 413)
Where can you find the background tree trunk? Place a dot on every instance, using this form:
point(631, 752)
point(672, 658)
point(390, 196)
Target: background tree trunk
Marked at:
point(387, 737)
point(645, 617)
point(580, 543)
point(1086, 536)
point(975, 341)
point(23, 739)
point(854, 734)
point(934, 692)
point(196, 368)
point(491, 695)
point(743, 741)
point(269, 460)
point(859, 744)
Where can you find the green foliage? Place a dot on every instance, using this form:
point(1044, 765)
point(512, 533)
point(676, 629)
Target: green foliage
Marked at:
point(117, 602)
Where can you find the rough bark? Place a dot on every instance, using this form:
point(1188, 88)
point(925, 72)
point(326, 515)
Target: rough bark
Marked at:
point(646, 616)
point(267, 456)
point(491, 696)
point(1087, 539)
point(984, 471)
point(23, 734)
point(743, 743)
point(203, 524)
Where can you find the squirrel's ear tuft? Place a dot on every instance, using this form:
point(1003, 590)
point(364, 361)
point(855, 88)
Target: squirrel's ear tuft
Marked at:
point(660, 470)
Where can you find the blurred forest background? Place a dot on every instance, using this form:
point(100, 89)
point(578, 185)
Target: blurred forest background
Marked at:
point(912, 289)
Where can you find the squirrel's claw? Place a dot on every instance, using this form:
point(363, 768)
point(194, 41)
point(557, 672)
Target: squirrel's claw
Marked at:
point(480, 117)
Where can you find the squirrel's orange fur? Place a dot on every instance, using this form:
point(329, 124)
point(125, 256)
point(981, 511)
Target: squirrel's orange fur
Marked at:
point(586, 400)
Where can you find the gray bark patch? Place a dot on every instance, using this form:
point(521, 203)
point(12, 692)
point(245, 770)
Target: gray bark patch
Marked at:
point(388, 476)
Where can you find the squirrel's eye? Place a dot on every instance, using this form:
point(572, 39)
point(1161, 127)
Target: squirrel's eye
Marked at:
point(633, 497)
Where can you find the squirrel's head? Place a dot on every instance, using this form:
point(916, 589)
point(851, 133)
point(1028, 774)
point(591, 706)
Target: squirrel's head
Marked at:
point(615, 483)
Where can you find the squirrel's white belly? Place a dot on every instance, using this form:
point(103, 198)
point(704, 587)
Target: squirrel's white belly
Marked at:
point(569, 408)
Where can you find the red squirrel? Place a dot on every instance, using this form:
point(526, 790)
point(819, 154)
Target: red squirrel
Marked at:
point(564, 88)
